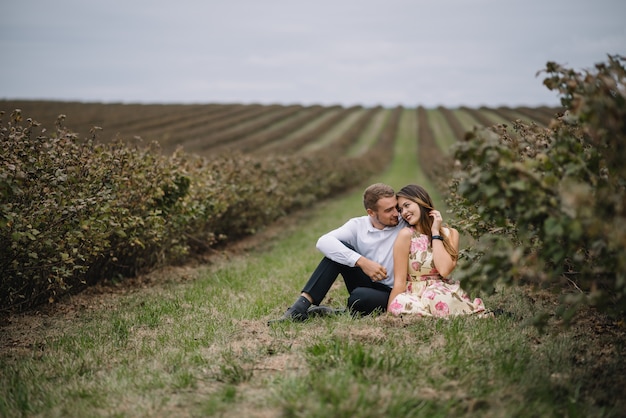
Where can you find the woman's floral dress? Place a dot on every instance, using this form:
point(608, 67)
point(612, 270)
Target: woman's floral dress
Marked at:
point(427, 292)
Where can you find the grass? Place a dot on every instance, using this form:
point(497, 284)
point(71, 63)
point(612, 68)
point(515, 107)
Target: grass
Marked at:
point(335, 132)
point(466, 120)
point(371, 133)
point(441, 130)
point(194, 341)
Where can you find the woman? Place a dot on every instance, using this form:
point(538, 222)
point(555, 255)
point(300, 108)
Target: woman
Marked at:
point(424, 255)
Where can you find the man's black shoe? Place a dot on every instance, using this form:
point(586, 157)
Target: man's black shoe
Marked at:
point(323, 310)
point(291, 315)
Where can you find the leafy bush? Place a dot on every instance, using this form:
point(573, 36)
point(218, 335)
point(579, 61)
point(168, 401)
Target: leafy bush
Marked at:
point(73, 211)
point(547, 205)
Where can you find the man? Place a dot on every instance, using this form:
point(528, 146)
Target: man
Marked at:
point(362, 252)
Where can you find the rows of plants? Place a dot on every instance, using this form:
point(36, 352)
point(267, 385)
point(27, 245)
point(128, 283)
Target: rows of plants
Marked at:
point(74, 211)
point(126, 119)
point(77, 208)
point(166, 128)
point(199, 132)
point(510, 115)
point(542, 115)
point(455, 125)
point(210, 128)
point(162, 125)
point(249, 138)
point(229, 130)
point(349, 138)
point(430, 156)
point(310, 132)
point(479, 116)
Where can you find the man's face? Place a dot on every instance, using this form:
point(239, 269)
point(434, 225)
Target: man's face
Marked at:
point(386, 213)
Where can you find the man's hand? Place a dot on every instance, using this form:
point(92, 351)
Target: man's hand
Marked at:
point(373, 269)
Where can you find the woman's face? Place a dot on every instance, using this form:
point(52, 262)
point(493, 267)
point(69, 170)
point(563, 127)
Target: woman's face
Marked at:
point(409, 210)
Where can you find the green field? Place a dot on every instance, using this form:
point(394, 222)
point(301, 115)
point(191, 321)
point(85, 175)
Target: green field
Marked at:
point(193, 340)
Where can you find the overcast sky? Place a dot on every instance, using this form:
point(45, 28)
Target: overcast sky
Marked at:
point(368, 52)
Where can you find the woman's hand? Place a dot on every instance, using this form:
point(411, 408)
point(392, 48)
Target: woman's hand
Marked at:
point(437, 220)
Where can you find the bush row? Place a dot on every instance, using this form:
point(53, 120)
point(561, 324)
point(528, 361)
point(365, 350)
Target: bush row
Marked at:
point(73, 211)
point(548, 205)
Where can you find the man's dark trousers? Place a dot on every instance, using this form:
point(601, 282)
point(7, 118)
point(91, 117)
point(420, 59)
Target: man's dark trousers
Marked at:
point(366, 296)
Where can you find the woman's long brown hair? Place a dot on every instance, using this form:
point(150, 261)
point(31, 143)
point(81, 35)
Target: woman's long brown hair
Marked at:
point(420, 196)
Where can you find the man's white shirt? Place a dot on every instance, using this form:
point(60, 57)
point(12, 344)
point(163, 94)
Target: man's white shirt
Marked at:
point(369, 242)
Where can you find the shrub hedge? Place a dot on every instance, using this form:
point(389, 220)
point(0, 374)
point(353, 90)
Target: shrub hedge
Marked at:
point(548, 205)
point(73, 211)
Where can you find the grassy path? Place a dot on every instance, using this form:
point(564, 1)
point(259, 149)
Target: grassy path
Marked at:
point(442, 131)
point(194, 341)
point(336, 132)
point(371, 133)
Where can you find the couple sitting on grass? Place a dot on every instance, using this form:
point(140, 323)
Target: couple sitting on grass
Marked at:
point(397, 258)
